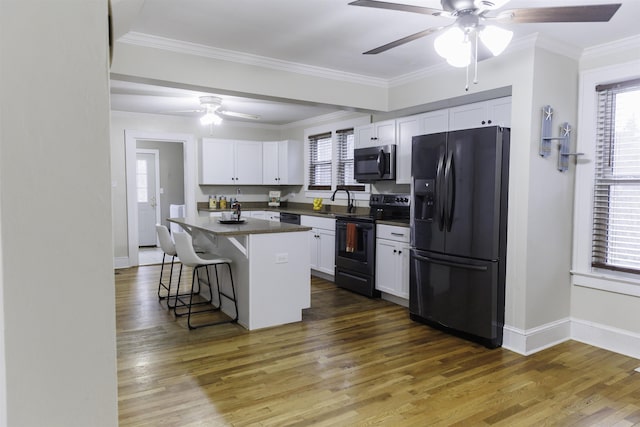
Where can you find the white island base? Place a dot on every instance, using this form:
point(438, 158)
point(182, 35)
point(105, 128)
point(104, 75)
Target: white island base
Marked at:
point(271, 272)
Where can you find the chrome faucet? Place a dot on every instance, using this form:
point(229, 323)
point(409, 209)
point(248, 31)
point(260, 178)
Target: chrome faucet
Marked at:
point(350, 206)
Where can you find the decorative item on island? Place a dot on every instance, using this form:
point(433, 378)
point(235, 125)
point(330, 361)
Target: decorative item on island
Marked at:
point(274, 198)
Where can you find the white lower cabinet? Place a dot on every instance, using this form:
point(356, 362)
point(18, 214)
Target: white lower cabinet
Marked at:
point(392, 260)
point(322, 238)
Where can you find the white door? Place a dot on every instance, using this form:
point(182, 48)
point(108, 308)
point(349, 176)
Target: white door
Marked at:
point(147, 194)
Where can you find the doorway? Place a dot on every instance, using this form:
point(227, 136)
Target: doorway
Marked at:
point(148, 195)
point(132, 141)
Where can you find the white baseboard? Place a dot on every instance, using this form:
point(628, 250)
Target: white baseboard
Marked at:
point(545, 336)
point(612, 339)
point(536, 339)
point(395, 299)
point(121, 262)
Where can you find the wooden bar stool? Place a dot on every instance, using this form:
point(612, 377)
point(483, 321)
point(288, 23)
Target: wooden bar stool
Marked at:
point(199, 262)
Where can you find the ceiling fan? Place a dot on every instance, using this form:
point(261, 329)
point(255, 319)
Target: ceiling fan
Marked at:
point(214, 113)
point(458, 43)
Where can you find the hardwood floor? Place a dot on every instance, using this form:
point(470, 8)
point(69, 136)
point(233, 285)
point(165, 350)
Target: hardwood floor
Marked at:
point(351, 361)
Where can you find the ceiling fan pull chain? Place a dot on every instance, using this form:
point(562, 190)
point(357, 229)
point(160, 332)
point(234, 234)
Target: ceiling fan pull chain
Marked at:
point(466, 86)
point(475, 60)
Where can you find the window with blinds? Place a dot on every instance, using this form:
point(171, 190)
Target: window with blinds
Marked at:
point(320, 154)
point(345, 140)
point(616, 210)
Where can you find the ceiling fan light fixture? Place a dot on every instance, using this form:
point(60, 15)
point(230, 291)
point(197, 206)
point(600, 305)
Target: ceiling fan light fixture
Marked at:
point(496, 39)
point(210, 118)
point(490, 4)
point(451, 40)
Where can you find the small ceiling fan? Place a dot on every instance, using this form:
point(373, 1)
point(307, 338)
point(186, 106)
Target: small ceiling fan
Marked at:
point(214, 113)
point(471, 15)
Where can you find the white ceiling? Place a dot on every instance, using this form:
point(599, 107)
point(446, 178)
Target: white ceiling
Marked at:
point(328, 34)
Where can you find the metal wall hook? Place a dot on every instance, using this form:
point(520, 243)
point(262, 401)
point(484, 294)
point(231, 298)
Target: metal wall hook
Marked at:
point(564, 138)
point(563, 148)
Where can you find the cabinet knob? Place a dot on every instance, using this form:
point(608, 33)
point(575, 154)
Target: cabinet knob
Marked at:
point(483, 122)
point(399, 252)
point(394, 251)
point(489, 121)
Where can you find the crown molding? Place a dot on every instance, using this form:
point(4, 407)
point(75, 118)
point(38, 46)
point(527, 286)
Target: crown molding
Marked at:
point(617, 46)
point(156, 42)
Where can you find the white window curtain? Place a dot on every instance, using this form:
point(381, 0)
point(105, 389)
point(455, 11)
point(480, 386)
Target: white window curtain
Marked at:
point(616, 209)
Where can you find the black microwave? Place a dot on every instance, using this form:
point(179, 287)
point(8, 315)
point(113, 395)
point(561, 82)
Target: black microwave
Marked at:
point(374, 163)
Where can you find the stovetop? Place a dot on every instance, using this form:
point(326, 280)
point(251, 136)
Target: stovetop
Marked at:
point(385, 207)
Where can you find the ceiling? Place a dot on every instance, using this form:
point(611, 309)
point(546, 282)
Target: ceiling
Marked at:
point(328, 34)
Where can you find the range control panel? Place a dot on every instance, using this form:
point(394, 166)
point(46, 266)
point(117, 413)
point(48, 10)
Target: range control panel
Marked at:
point(390, 200)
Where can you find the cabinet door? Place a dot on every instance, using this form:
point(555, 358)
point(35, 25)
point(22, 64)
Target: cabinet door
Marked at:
point(270, 162)
point(403, 262)
point(468, 116)
point(248, 160)
point(326, 251)
point(386, 254)
point(291, 162)
point(407, 127)
point(499, 111)
point(385, 132)
point(364, 136)
point(433, 122)
point(217, 162)
point(314, 245)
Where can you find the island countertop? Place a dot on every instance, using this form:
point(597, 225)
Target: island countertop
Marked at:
point(249, 226)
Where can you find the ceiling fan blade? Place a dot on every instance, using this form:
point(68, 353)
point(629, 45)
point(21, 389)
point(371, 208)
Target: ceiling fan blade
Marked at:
point(587, 13)
point(238, 115)
point(402, 41)
point(400, 7)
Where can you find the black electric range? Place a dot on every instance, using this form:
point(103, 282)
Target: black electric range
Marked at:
point(356, 242)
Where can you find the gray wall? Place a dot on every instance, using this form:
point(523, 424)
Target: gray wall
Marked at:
point(171, 161)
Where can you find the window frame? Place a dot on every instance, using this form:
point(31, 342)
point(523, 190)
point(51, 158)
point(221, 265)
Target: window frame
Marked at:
point(583, 273)
point(333, 128)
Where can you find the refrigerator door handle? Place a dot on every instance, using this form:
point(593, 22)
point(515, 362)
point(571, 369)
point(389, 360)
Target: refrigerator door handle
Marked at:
point(451, 263)
point(440, 192)
point(449, 178)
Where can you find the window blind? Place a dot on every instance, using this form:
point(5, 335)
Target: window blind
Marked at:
point(616, 201)
point(345, 140)
point(320, 152)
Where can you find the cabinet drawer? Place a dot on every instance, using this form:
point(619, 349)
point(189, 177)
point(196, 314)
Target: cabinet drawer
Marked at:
point(318, 222)
point(390, 232)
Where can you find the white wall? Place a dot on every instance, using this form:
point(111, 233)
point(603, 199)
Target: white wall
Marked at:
point(605, 306)
point(57, 275)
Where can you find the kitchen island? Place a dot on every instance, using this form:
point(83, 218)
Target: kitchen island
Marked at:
point(271, 266)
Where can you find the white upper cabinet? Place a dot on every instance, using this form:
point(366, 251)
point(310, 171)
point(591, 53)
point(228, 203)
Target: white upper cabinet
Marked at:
point(375, 134)
point(230, 162)
point(495, 112)
point(282, 163)
point(406, 129)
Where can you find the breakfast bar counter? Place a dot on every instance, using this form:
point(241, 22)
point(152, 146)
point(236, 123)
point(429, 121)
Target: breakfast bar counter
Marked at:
point(271, 266)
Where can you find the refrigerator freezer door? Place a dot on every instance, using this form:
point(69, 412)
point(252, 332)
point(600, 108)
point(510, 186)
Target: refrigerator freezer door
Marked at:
point(473, 179)
point(458, 295)
point(428, 198)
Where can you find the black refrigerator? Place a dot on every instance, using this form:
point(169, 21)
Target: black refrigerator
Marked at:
point(459, 232)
